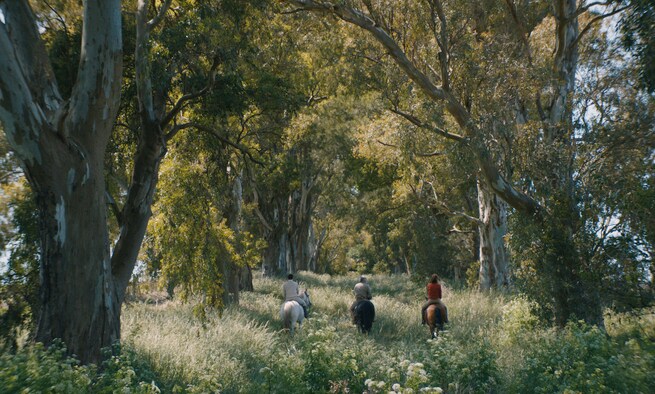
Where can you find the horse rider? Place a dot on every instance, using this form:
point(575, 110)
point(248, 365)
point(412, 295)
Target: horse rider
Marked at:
point(291, 293)
point(362, 292)
point(434, 298)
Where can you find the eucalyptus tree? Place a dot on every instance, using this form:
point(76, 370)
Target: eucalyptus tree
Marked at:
point(220, 84)
point(288, 197)
point(443, 48)
point(492, 211)
point(616, 127)
point(431, 197)
point(60, 143)
point(301, 159)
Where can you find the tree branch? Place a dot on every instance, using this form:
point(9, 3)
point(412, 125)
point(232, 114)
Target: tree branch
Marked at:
point(115, 209)
point(442, 41)
point(504, 189)
point(582, 9)
point(521, 28)
point(101, 65)
point(417, 122)
point(256, 201)
point(179, 105)
point(456, 230)
point(216, 134)
point(24, 59)
point(597, 18)
point(446, 209)
point(435, 153)
point(160, 15)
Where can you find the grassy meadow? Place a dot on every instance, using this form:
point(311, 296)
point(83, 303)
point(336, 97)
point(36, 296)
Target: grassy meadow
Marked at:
point(494, 344)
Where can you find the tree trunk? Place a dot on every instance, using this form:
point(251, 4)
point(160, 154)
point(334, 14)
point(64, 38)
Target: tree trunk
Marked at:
point(312, 243)
point(245, 279)
point(576, 291)
point(80, 303)
point(494, 265)
point(61, 147)
point(288, 231)
point(300, 213)
point(232, 272)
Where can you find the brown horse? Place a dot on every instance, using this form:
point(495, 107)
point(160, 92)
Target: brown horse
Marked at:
point(434, 320)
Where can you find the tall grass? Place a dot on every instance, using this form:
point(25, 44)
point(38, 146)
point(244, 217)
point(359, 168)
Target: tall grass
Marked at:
point(494, 344)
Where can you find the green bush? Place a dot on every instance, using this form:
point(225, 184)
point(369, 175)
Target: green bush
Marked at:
point(404, 377)
point(37, 369)
point(583, 358)
point(326, 364)
point(464, 367)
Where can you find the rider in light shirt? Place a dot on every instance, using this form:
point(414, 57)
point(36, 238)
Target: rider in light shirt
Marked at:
point(292, 293)
point(362, 292)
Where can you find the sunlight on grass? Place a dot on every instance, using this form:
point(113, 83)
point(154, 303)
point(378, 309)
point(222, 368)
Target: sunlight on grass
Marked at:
point(493, 342)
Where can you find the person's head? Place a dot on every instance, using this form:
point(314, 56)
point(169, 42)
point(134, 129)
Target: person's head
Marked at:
point(434, 278)
point(362, 279)
point(290, 276)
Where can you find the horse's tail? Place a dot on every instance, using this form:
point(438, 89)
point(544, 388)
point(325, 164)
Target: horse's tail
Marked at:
point(285, 315)
point(434, 316)
point(366, 311)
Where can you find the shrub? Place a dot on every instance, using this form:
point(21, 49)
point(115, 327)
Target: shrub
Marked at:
point(327, 363)
point(405, 377)
point(464, 367)
point(518, 317)
point(577, 358)
point(37, 369)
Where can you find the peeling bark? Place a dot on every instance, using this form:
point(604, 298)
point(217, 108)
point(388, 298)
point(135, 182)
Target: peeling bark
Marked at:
point(494, 263)
point(61, 147)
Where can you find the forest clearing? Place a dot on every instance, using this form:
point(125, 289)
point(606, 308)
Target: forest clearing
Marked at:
point(494, 344)
point(165, 165)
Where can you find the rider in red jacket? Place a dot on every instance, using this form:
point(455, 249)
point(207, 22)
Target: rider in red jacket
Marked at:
point(434, 298)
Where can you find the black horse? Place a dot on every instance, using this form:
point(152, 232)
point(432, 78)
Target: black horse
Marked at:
point(364, 316)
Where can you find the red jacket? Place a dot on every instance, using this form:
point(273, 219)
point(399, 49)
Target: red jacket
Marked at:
point(434, 291)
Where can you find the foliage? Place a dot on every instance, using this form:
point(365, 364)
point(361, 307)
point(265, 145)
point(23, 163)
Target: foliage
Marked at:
point(19, 272)
point(327, 367)
point(406, 377)
point(294, 102)
point(37, 369)
point(582, 358)
point(638, 27)
point(470, 368)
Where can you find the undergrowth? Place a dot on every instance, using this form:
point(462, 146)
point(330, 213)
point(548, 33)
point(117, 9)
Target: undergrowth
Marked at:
point(494, 344)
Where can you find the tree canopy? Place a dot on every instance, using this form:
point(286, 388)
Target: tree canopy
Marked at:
point(500, 144)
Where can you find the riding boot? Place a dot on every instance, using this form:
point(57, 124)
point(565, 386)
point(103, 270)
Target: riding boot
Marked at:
point(306, 311)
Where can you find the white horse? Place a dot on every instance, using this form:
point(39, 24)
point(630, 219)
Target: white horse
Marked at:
point(291, 312)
